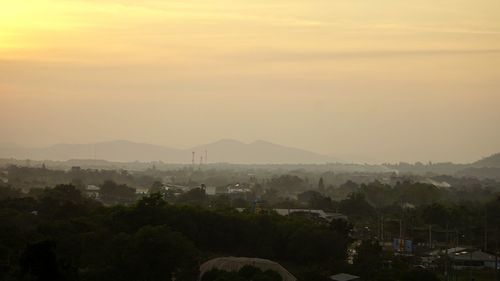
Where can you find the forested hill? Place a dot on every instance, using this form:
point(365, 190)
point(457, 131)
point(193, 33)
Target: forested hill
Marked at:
point(490, 161)
point(222, 151)
point(488, 167)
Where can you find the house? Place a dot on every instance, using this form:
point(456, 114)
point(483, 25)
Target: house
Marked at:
point(141, 191)
point(344, 277)
point(472, 258)
point(313, 213)
point(210, 190)
point(92, 191)
point(319, 213)
point(176, 187)
point(429, 258)
point(335, 216)
point(238, 189)
point(234, 264)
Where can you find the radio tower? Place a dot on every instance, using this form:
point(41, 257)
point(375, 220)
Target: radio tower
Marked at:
point(193, 157)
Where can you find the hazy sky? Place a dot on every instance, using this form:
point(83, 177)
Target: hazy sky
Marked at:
point(383, 80)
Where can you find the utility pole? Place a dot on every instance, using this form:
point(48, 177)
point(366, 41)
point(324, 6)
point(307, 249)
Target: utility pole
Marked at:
point(496, 253)
point(379, 225)
point(400, 229)
point(430, 236)
point(446, 257)
point(486, 230)
point(470, 267)
point(382, 229)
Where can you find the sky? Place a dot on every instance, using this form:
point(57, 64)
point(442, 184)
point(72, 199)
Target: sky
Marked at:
point(372, 81)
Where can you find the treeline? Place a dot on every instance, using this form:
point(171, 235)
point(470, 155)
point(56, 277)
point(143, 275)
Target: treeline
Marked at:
point(40, 177)
point(455, 214)
point(486, 168)
point(60, 235)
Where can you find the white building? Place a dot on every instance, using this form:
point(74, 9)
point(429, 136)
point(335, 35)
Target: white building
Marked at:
point(472, 258)
point(92, 191)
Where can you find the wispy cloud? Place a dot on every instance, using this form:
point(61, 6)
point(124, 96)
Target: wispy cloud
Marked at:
point(428, 29)
point(342, 55)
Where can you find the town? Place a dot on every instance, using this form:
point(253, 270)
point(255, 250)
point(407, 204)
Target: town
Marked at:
point(385, 224)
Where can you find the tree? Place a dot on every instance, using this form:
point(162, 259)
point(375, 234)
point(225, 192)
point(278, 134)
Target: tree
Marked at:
point(157, 253)
point(63, 201)
point(321, 184)
point(153, 200)
point(368, 260)
point(315, 200)
point(271, 195)
point(150, 254)
point(112, 193)
point(356, 206)
point(378, 194)
point(436, 214)
point(195, 196)
point(420, 274)
point(39, 262)
point(307, 196)
point(342, 227)
point(7, 192)
point(287, 183)
point(156, 187)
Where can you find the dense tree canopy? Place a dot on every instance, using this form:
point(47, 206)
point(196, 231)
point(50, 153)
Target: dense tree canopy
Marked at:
point(79, 239)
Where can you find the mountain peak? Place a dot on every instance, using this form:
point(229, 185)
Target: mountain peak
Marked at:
point(225, 150)
point(229, 140)
point(262, 142)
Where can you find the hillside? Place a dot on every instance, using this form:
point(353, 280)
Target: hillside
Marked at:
point(260, 152)
point(223, 151)
point(490, 161)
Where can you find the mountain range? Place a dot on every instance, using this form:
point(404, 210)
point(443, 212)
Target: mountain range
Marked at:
point(223, 151)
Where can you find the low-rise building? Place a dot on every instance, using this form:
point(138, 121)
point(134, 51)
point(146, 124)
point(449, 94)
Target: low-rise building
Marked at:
point(320, 213)
point(344, 277)
point(472, 258)
point(142, 191)
point(234, 264)
point(92, 191)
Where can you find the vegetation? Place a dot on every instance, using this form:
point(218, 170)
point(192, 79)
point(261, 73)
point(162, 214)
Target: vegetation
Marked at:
point(61, 232)
point(59, 235)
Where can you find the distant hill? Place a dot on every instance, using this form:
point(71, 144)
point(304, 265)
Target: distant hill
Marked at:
point(490, 161)
point(261, 152)
point(228, 151)
point(488, 167)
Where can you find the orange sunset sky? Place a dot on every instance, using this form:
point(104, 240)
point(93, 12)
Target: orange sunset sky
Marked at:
point(375, 81)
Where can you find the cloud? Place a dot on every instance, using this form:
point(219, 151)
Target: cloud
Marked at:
point(429, 29)
point(343, 55)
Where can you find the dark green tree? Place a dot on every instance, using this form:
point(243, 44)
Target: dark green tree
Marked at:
point(321, 185)
point(113, 193)
point(368, 259)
